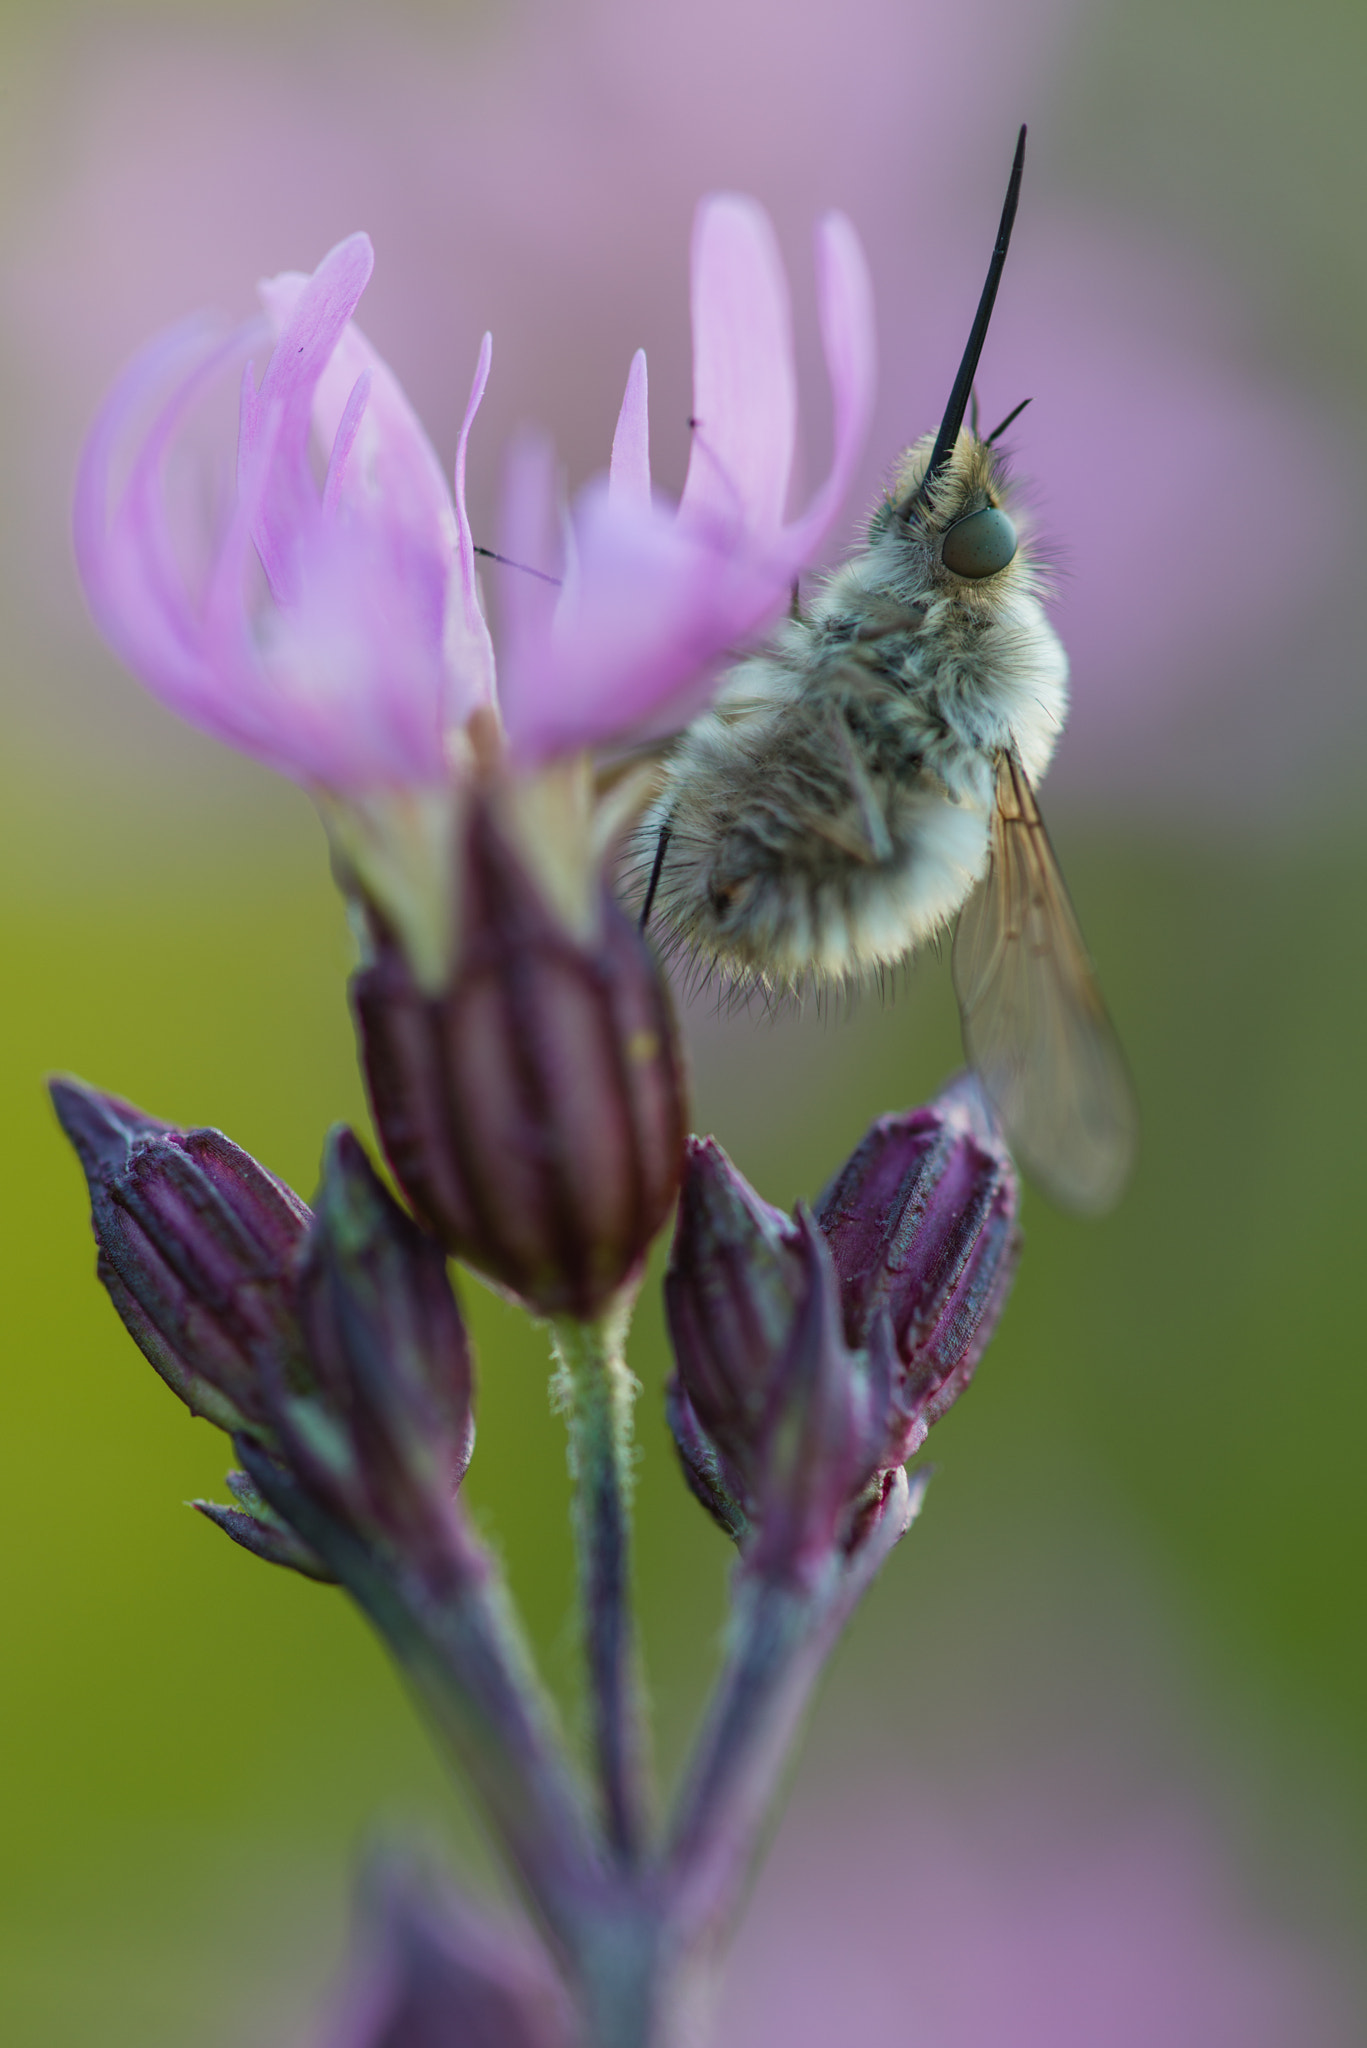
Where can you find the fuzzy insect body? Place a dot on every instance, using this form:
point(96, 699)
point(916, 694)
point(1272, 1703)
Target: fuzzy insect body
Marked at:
point(868, 777)
point(832, 810)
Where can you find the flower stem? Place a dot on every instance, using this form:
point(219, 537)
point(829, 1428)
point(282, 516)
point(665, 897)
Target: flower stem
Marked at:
point(782, 1631)
point(457, 1642)
point(596, 1390)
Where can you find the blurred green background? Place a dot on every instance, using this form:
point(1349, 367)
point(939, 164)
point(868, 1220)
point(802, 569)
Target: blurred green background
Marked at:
point(1139, 1578)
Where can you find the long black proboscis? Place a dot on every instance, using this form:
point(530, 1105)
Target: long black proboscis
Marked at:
point(963, 383)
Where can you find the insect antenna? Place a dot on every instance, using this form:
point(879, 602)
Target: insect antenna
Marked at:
point(968, 367)
point(656, 869)
point(997, 432)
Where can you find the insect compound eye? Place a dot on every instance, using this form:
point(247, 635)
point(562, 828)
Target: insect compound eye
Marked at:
point(980, 544)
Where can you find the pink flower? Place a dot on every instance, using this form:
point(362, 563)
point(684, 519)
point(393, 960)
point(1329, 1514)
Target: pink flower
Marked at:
point(329, 620)
point(654, 596)
point(333, 628)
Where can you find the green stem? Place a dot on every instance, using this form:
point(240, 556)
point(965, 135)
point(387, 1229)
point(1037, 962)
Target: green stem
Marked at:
point(596, 1391)
point(781, 1634)
point(454, 1636)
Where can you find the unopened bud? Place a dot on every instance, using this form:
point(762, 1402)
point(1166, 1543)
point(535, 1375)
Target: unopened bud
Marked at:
point(383, 1436)
point(921, 1223)
point(330, 1346)
point(774, 1416)
point(777, 1414)
point(196, 1249)
point(710, 1480)
point(820, 1444)
point(532, 1110)
point(736, 1275)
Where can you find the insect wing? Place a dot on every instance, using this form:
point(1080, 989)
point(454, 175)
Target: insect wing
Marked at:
point(1034, 1023)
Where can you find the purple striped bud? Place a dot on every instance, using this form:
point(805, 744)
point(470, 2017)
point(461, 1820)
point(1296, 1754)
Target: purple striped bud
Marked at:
point(774, 1416)
point(818, 1447)
point(776, 1410)
point(737, 1271)
point(197, 1245)
point(710, 1479)
point(532, 1108)
point(383, 1437)
point(330, 1346)
point(921, 1222)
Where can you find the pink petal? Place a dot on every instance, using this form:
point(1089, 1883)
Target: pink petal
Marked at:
point(345, 440)
point(744, 381)
point(629, 477)
point(655, 604)
point(470, 652)
point(133, 573)
point(346, 681)
point(308, 338)
point(849, 336)
point(398, 466)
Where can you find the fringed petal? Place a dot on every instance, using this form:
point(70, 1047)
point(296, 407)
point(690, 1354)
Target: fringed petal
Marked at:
point(744, 379)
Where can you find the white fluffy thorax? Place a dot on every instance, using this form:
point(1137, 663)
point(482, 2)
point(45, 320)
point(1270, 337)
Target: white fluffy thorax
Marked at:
point(984, 672)
point(832, 811)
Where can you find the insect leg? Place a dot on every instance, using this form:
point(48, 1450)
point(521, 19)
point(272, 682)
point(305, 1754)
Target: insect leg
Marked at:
point(875, 841)
point(542, 575)
point(656, 869)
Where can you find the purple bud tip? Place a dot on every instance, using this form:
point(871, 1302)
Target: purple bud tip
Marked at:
point(823, 1431)
point(351, 1202)
point(391, 1360)
point(921, 1222)
point(197, 1249)
point(736, 1275)
point(102, 1128)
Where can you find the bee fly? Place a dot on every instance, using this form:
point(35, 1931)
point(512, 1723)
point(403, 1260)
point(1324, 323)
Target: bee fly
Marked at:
point(870, 774)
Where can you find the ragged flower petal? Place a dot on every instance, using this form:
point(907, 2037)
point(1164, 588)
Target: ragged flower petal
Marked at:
point(656, 595)
point(324, 628)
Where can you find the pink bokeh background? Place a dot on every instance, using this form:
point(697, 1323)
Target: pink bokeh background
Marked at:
point(533, 168)
point(535, 171)
point(883, 1918)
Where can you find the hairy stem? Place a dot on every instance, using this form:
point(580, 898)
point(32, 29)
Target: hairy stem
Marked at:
point(780, 1636)
point(456, 1640)
point(596, 1391)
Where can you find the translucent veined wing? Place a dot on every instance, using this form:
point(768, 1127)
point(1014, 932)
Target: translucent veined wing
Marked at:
point(1034, 1023)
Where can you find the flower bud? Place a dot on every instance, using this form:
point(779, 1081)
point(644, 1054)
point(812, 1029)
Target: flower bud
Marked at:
point(196, 1248)
point(913, 1249)
point(823, 1430)
point(774, 1416)
point(707, 1474)
point(383, 1436)
point(330, 1346)
point(736, 1275)
point(532, 1108)
point(921, 1223)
